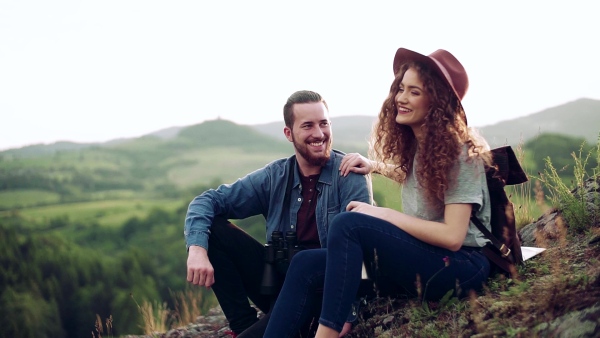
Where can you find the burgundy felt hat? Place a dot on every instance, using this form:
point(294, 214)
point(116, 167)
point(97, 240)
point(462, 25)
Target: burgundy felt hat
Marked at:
point(443, 62)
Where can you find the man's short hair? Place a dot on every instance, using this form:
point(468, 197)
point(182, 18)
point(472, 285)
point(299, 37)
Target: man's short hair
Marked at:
point(301, 96)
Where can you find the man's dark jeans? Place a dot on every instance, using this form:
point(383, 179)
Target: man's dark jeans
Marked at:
point(238, 261)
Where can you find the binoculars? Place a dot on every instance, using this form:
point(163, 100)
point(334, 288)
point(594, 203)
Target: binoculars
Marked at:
point(279, 252)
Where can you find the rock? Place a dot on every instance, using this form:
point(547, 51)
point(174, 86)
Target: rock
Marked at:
point(545, 226)
point(582, 324)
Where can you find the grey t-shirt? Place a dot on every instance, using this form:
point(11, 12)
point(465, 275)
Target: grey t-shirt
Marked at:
point(471, 187)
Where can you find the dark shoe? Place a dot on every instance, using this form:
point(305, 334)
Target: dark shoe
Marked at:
point(257, 330)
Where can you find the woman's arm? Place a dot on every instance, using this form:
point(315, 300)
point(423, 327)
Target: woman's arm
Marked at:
point(450, 234)
point(355, 162)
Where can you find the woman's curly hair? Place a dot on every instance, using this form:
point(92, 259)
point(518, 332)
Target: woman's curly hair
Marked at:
point(445, 133)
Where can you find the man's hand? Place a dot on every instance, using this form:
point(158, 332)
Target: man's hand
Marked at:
point(355, 162)
point(199, 270)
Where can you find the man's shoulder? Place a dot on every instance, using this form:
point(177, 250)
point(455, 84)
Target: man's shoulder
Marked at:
point(336, 157)
point(278, 165)
point(335, 160)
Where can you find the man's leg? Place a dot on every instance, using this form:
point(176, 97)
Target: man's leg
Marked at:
point(238, 260)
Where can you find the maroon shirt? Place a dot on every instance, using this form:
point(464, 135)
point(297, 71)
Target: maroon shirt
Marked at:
point(307, 233)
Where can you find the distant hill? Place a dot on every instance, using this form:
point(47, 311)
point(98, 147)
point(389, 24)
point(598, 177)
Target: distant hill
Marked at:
point(43, 149)
point(166, 133)
point(219, 133)
point(213, 133)
point(580, 118)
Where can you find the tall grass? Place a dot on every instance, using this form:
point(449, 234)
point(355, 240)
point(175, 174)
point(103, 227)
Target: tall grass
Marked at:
point(571, 199)
point(189, 304)
point(99, 328)
point(155, 316)
point(520, 194)
point(158, 317)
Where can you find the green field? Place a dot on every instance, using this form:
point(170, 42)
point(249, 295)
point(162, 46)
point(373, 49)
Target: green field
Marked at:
point(205, 166)
point(26, 198)
point(110, 213)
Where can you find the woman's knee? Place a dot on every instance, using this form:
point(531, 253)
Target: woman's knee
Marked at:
point(343, 225)
point(308, 262)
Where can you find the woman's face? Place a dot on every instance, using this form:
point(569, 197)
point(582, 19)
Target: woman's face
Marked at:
point(412, 101)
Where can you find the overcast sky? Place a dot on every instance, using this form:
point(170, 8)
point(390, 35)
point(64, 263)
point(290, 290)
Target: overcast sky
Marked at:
point(92, 71)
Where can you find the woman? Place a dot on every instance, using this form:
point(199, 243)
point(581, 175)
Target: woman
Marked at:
point(422, 141)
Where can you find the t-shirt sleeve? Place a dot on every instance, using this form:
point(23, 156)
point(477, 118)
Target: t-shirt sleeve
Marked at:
point(471, 187)
point(468, 187)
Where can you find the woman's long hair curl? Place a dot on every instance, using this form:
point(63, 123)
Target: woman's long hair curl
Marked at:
point(445, 133)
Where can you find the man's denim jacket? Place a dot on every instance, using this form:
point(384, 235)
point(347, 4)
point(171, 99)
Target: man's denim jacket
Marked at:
point(262, 192)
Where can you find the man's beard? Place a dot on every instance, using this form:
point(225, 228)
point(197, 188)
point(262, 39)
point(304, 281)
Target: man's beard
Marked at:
point(320, 160)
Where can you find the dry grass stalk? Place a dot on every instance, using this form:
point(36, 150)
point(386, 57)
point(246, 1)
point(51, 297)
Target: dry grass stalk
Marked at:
point(155, 317)
point(188, 306)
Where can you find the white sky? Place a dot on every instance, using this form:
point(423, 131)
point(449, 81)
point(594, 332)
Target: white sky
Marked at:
point(92, 71)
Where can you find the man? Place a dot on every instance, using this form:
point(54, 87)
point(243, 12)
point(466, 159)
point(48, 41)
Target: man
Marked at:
point(224, 257)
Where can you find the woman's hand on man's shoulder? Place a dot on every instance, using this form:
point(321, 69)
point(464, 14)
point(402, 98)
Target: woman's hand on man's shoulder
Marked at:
point(356, 163)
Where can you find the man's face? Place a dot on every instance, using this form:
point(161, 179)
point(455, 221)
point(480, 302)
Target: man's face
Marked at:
point(311, 133)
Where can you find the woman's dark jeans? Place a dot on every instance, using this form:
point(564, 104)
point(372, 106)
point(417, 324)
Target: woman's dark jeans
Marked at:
point(392, 257)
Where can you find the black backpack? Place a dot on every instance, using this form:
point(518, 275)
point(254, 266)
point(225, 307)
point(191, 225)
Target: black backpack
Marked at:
point(504, 251)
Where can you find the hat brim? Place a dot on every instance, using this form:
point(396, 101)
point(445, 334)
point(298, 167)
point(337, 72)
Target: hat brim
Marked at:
point(404, 55)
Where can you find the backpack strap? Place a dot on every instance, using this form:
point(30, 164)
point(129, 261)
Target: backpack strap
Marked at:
point(504, 250)
point(490, 252)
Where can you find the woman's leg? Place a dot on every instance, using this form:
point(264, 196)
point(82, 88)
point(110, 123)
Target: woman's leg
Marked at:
point(410, 264)
point(299, 295)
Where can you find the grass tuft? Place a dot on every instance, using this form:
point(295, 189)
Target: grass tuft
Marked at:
point(99, 328)
point(155, 316)
point(158, 317)
point(571, 200)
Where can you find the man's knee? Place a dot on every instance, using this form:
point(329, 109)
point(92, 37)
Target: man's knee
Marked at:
point(220, 226)
point(220, 232)
point(228, 240)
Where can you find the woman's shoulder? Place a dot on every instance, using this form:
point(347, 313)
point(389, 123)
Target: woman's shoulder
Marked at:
point(475, 151)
